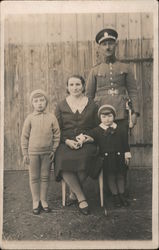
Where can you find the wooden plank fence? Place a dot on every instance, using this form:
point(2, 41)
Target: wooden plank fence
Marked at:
point(41, 51)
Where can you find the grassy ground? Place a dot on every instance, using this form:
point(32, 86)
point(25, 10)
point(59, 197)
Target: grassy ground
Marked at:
point(66, 223)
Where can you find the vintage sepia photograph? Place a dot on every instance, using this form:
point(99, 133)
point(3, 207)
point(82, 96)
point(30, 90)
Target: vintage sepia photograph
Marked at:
point(79, 125)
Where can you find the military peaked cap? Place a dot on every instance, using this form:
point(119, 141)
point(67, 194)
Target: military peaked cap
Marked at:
point(106, 34)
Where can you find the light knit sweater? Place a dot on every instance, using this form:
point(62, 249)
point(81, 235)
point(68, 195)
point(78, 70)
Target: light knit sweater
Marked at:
point(40, 134)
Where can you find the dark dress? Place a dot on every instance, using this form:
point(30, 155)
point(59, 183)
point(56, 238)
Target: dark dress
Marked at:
point(71, 125)
point(112, 147)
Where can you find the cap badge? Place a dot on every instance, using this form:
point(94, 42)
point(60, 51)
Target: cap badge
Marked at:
point(106, 34)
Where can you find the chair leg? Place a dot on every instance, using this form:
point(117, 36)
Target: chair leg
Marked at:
point(63, 193)
point(101, 188)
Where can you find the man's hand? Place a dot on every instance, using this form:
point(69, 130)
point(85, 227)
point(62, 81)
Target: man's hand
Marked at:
point(26, 159)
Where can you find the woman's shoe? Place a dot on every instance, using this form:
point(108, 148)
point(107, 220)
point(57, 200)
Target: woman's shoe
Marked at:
point(124, 201)
point(37, 210)
point(84, 210)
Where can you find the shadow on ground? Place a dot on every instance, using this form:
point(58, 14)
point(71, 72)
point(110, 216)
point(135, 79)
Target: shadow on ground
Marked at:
point(66, 223)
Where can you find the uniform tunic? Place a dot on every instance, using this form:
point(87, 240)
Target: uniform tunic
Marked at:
point(71, 125)
point(111, 84)
point(112, 146)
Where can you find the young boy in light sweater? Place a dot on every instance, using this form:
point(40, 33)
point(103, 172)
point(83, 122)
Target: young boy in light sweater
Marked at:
point(39, 141)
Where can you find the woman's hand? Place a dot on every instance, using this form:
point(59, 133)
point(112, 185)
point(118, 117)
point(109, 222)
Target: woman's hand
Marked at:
point(73, 144)
point(80, 138)
point(26, 159)
point(84, 138)
point(88, 138)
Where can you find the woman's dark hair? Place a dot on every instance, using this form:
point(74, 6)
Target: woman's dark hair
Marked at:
point(81, 79)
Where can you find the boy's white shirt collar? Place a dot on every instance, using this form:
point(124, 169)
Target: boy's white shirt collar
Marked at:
point(114, 125)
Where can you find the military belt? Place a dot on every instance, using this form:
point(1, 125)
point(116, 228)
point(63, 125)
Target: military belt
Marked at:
point(111, 91)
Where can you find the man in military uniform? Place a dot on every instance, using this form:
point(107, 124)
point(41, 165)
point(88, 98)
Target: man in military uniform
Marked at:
point(112, 82)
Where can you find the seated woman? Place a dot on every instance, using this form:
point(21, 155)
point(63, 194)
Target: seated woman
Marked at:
point(76, 114)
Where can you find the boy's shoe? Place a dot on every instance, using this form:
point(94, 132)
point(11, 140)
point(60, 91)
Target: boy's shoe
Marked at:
point(45, 209)
point(37, 210)
point(116, 201)
point(124, 201)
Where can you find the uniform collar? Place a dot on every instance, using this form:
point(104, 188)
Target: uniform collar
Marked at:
point(114, 126)
point(111, 59)
point(39, 113)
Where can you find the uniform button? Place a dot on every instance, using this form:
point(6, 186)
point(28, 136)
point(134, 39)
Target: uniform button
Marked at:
point(111, 78)
point(106, 154)
point(118, 153)
point(111, 83)
point(111, 73)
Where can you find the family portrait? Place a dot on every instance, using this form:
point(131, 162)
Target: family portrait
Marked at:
point(79, 149)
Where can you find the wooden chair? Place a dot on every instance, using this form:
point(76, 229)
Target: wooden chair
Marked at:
point(100, 179)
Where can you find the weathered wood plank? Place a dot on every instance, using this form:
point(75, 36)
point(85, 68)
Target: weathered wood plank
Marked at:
point(84, 27)
point(134, 36)
point(75, 57)
point(122, 26)
point(134, 48)
point(15, 29)
point(68, 27)
point(147, 34)
point(40, 28)
point(147, 101)
point(57, 87)
point(6, 30)
point(97, 25)
point(11, 127)
point(43, 65)
point(53, 28)
point(141, 157)
point(134, 26)
point(147, 25)
point(110, 20)
point(67, 62)
point(137, 132)
point(147, 48)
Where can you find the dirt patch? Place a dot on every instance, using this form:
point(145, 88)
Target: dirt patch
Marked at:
point(66, 223)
